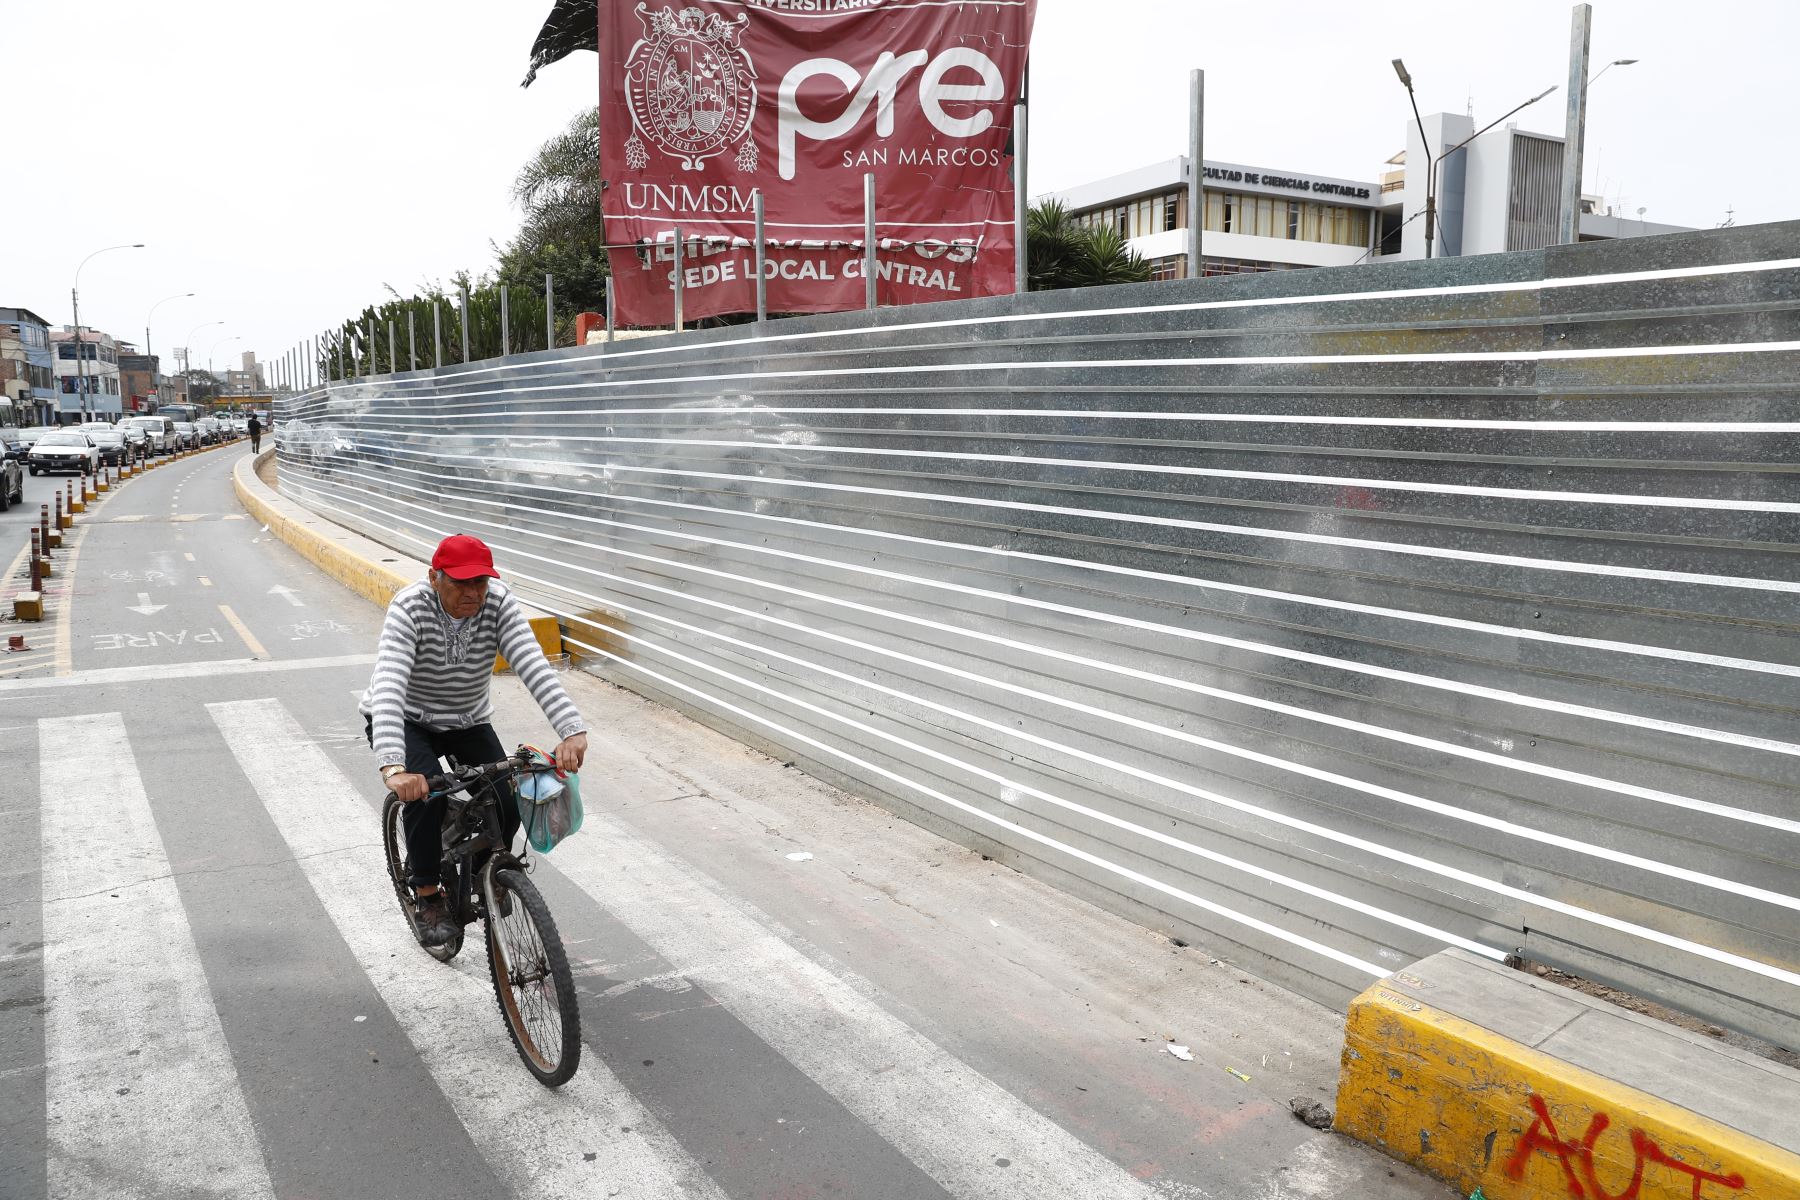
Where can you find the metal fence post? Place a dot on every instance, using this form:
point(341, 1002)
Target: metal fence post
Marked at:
point(869, 239)
point(412, 337)
point(1021, 198)
point(369, 343)
point(393, 358)
point(609, 310)
point(465, 322)
point(678, 281)
point(549, 312)
point(505, 324)
point(437, 332)
point(762, 278)
point(1196, 191)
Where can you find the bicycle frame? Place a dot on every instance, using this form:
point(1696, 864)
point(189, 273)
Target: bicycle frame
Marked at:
point(472, 826)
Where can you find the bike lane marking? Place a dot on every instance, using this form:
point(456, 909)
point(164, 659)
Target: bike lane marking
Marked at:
point(449, 1014)
point(140, 1084)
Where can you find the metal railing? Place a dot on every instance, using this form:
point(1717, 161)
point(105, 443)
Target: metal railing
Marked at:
point(1343, 615)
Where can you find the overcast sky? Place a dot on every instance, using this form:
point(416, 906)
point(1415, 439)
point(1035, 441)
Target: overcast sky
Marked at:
point(287, 162)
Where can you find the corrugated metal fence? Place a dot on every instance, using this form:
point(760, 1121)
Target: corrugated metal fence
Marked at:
point(1341, 615)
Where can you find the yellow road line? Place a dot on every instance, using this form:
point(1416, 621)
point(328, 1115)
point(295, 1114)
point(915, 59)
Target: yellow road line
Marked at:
point(65, 619)
point(243, 631)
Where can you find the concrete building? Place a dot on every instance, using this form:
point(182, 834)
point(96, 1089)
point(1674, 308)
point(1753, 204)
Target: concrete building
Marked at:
point(247, 379)
point(88, 390)
point(1499, 192)
point(1256, 219)
point(1502, 191)
point(142, 383)
point(29, 370)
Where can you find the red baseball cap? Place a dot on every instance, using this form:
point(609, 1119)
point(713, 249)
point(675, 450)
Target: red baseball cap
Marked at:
point(462, 558)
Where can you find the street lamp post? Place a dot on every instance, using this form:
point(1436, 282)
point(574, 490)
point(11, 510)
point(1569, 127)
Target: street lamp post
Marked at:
point(1433, 160)
point(75, 303)
point(177, 296)
point(187, 357)
point(209, 354)
point(1452, 150)
point(1430, 175)
point(148, 352)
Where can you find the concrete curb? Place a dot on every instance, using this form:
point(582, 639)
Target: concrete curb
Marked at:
point(1497, 1082)
point(363, 565)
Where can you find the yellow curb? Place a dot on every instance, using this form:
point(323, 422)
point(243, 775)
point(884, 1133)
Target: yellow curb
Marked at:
point(549, 639)
point(373, 581)
point(1480, 1110)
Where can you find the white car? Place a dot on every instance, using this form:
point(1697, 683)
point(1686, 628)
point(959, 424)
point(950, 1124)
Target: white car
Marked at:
point(159, 431)
point(64, 450)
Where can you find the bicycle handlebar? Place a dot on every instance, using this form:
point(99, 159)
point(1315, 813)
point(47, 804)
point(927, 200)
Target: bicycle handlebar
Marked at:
point(442, 785)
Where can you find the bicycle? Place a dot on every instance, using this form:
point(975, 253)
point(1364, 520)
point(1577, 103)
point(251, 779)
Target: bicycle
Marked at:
point(484, 880)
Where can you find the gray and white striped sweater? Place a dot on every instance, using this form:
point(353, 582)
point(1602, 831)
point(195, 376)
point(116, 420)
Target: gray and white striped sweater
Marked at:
point(431, 673)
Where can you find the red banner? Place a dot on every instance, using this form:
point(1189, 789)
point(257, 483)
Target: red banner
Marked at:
point(706, 102)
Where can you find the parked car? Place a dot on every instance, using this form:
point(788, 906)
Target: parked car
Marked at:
point(12, 483)
point(110, 441)
point(159, 430)
point(12, 446)
point(28, 435)
point(68, 449)
point(187, 437)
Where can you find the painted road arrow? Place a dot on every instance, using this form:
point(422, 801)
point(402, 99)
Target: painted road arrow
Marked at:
point(287, 593)
point(144, 606)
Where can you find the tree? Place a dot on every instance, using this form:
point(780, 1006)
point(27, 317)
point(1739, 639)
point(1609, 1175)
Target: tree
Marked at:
point(1060, 253)
point(561, 234)
point(202, 385)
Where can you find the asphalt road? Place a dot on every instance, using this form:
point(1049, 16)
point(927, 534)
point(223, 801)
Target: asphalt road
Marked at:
point(206, 988)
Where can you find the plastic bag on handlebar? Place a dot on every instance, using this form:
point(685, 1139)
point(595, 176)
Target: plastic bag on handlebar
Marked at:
point(549, 802)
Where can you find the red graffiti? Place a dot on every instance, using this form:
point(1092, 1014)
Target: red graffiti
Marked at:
point(1577, 1158)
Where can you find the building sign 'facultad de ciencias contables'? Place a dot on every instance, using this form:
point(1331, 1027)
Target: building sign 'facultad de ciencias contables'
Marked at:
point(1292, 183)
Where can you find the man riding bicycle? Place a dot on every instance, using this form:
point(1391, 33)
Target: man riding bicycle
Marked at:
point(429, 696)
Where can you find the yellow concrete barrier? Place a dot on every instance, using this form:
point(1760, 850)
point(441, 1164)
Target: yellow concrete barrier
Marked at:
point(1482, 1109)
point(324, 544)
point(549, 639)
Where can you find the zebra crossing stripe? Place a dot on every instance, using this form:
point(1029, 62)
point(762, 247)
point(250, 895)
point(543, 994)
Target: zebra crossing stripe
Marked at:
point(141, 1093)
point(570, 1143)
point(945, 1116)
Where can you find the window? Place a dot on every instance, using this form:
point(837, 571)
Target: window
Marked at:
point(1293, 220)
point(1229, 224)
point(1171, 211)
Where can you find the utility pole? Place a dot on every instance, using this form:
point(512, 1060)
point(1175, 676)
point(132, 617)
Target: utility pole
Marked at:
point(1575, 128)
point(1196, 170)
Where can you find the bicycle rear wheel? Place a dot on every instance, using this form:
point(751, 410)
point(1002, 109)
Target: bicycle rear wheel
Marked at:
point(393, 842)
point(532, 981)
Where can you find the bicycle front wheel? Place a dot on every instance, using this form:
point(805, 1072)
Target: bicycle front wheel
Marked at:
point(532, 981)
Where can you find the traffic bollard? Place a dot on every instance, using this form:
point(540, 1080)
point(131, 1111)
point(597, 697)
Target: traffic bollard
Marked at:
point(37, 565)
point(74, 504)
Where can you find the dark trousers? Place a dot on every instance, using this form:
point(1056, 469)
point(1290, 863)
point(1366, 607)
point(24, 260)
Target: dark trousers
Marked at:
point(424, 819)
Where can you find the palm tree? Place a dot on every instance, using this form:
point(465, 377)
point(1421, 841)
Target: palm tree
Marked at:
point(1061, 253)
point(561, 234)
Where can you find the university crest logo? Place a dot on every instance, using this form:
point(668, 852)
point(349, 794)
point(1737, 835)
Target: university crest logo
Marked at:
point(691, 89)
